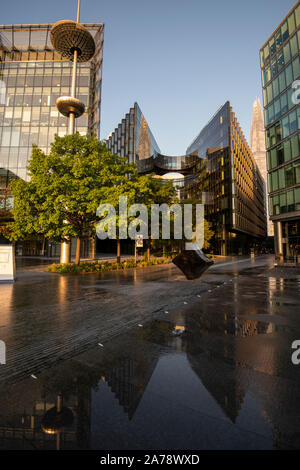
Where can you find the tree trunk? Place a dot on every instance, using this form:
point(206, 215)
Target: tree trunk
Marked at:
point(118, 252)
point(43, 246)
point(148, 250)
point(77, 258)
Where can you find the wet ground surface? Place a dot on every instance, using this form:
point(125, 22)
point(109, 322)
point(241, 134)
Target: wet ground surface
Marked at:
point(145, 359)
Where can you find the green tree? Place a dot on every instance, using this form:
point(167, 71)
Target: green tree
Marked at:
point(154, 191)
point(208, 232)
point(66, 187)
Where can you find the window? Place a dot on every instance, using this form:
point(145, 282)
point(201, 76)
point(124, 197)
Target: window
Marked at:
point(297, 172)
point(274, 181)
point(6, 137)
point(296, 68)
point(15, 137)
point(275, 87)
point(290, 200)
point(291, 23)
point(294, 45)
point(284, 31)
point(289, 74)
point(26, 115)
point(295, 146)
point(285, 127)
point(282, 81)
point(297, 198)
point(289, 175)
point(286, 53)
point(287, 150)
point(281, 178)
point(280, 155)
point(283, 103)
point(282, 202)
point(293, 122)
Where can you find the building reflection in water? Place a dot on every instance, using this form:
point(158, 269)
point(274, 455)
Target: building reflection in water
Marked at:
point(227, 364)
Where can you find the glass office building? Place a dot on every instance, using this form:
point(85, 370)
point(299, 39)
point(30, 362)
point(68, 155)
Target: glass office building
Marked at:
point(32, 76)
point(229, 174)
point(218, 169)
point(280, 66)
point(133, 138)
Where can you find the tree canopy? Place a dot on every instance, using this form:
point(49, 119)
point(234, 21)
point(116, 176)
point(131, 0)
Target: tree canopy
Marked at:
point(65, 188)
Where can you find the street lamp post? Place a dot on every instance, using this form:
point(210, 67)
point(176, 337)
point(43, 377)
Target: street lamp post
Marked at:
point(74, 42)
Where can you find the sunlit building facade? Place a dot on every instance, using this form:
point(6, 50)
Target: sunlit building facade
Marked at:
point(258, 149)
point(229, 173)
point(132, 138)
point(280, 66)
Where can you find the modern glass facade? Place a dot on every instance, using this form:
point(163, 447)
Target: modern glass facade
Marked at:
point(280, 66)
point(133, 138)
point(229, 173)
point(32, 77)
point(218, 169)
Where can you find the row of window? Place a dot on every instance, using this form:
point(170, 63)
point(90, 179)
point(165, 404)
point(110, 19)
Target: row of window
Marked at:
point(38, 118)
point(284, 177)
point(281, 35)
point(277, 132)
point(21, 56)
point(284, 127)
point(284, 79)
point(26, 136)
point(34, 115)
point(286, 201)
point(21, 68)
point(281, 59)
point(284, 152)
point(39, 96)
point(280, 106)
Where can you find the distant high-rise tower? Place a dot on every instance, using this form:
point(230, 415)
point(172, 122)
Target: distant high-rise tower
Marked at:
point(258, 147)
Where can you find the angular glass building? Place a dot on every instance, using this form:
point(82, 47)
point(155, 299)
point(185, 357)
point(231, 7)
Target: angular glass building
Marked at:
point(229, 173)
point(280, 66)
point(218, 169)
point(133, 138)
point(32, 76)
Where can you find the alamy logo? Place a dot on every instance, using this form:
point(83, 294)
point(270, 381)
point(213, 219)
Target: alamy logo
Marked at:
point(296, 93)
point(2, 352)
point(296, 354)
point(135, 220)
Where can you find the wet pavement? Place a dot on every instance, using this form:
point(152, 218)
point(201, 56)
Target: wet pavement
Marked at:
point(144, 359)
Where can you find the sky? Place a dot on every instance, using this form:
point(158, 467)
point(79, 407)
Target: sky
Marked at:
point(179, 59)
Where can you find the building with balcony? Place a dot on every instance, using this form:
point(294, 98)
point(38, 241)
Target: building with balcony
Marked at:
point(280, 67)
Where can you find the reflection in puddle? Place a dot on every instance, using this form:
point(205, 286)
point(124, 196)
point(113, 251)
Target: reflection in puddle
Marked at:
point(152, 389)
point(216, 375)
